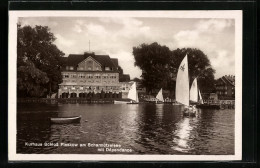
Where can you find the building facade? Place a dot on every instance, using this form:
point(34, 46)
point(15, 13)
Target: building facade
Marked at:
point(90, 75)
point(225, 87)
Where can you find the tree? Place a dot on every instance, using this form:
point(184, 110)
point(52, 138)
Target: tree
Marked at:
point(38, 62)
point(199, 67)
point(159, 66)
point(153, 60)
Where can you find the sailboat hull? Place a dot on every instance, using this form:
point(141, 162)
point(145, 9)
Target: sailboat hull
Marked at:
point(187, 112)
point(120, 102)
point(133, 103)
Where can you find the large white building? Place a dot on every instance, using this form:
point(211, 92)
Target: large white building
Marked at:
point(88, 75)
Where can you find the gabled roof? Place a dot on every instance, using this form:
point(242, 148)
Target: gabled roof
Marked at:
point(74, 59)
point(104, 60)
point(227, 80)
point(223, 79)
point(115, 61)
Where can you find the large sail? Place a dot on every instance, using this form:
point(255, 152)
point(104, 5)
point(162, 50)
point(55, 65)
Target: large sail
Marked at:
point(132, 94)
point(160, 96)
point(200, 98)
point(194, 91)
point(182, 83)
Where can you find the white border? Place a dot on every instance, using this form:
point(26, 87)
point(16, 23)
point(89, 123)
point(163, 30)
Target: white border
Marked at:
point(12, 70)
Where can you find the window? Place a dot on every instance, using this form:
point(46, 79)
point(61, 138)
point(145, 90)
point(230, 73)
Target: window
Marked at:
point(73, 75)
point(97, 76)
point(65, 75)
point(81, 76)
point(89, 76)
point(89, 68)
point(71, 68)
point(107, 68)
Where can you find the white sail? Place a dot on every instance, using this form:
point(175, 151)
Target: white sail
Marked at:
point(182, 83)
point(137, 99)
point(132, 94)
point(160, 96)
point(194, 91)
point(200, 98)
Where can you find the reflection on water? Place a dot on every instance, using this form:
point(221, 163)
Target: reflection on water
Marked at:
point(183, 134)
point(144, 128)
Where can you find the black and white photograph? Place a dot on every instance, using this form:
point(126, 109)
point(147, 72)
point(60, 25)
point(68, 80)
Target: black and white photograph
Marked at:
point(125, 85)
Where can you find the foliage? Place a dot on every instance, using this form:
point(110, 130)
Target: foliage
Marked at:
point(31, 80)
point(159, 66)
point(153, 60)
point(38, 61)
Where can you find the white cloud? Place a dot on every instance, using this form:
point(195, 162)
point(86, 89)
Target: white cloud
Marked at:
point(126, 61)
point(62, 41)
point(213, 25)
point(77, 28)
point(187, 38)
point(208, 36)
point(95, 30)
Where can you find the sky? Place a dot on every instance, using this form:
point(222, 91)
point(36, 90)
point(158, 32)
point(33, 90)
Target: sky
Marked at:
point(116, 37)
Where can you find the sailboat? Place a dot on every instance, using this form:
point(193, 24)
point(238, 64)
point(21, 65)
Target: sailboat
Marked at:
point(132, 94)
point(195, 95)
point(159, 97)
point(200, 98)
point(194, 91)
point(182, 88)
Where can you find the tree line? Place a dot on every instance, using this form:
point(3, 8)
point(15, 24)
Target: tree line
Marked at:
point(39, 62)
point(160, 65)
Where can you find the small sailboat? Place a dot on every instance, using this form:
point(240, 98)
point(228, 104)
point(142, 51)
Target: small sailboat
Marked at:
point(200, 98)
point(159, 97)
point(194, 91)
point(132, 94)
point(182, 88)
point(195, 95)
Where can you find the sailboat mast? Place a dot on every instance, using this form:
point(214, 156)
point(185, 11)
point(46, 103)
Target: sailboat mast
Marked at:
point(188, 78)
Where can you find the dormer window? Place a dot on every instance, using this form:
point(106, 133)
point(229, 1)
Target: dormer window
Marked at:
point(107, 68)
point(71, 68)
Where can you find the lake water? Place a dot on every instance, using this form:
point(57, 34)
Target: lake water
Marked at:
point(138, 128)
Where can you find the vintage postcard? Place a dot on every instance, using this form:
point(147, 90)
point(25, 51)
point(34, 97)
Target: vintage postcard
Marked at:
point(125, 85)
